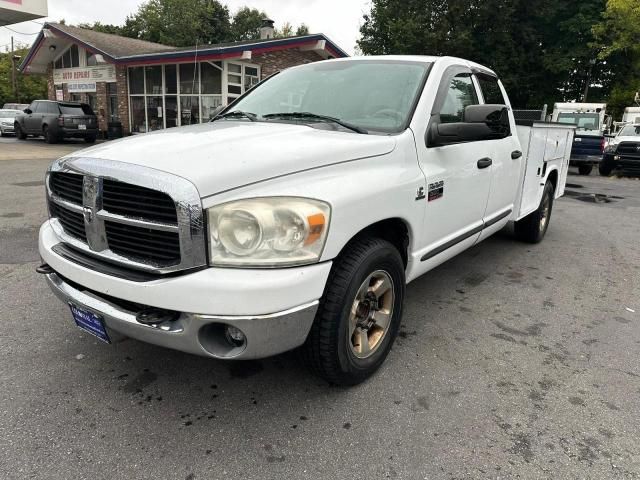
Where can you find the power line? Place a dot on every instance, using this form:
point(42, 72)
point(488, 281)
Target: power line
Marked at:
point(19, 33)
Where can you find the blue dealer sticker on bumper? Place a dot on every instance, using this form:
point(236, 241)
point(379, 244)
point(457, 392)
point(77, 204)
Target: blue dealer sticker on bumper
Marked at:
point(90, 322)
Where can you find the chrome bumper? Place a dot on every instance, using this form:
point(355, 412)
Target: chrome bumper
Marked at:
point(266, 335)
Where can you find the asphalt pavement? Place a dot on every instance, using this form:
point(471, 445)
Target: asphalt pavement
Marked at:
point(514, 361)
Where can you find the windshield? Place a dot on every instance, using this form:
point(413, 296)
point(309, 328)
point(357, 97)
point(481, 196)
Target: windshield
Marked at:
point(373, 95)
point(630, 131)
point(69, 109)
point(587, 121)
point(8, 113)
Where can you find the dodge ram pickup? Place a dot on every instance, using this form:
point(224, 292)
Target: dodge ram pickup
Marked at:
point(296, 217)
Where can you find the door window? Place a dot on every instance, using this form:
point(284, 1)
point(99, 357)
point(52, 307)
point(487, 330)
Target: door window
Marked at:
point(491, 90)
point(460, 94)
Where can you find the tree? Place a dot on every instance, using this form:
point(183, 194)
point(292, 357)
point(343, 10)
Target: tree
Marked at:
point(179, 23)
point(617, 40)
point(246, 24)
point(541, 50)
point(30, 87)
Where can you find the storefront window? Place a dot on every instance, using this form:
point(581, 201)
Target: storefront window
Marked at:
point(211, 77)
point(153, 77)
point(171, 111)
point(170, 79)
point(189, 81)
point(138, 120)
point(165, 96)
point(189, 110)
point(136, 81)
point(209, 104)
point(155, 113)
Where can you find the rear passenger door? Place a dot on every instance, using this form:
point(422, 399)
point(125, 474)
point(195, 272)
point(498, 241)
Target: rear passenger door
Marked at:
point(31, 118)
point(458, 177)
point(506, 163)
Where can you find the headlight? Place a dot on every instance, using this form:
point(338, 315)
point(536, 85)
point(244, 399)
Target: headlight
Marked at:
point(610, 148)
point(267, 232)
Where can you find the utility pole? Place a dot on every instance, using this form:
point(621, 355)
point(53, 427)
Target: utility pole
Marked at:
point(13, 73)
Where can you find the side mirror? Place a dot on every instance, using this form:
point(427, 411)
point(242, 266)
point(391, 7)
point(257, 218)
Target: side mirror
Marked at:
point(481, 122)
point(28, 111)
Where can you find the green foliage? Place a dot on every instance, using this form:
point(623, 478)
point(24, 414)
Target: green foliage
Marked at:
point(30, 87)
point(246, 24)
point(544, 51)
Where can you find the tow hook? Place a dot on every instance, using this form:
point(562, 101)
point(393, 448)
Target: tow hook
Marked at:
point(44, 269)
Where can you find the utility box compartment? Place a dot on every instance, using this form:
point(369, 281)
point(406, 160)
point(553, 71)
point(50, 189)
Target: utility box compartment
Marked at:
point(543, 145)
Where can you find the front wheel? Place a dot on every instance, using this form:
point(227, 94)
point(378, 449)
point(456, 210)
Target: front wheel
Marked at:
point(359, 315)
point(585, 169)
point(533, 227)
point(19, 132)
point(605, 169)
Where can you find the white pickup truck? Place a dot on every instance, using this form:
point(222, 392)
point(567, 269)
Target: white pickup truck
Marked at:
point(298, 215)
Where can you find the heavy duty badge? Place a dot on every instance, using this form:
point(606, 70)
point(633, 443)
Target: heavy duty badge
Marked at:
point(436, 190)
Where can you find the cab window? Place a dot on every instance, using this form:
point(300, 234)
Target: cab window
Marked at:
point(460, 94)
point(491, 90)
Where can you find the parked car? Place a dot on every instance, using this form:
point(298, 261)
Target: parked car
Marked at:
point(589, 140)
point(7, 118)
point(57, 120)
point(15, 106)
point(296, 217)
point(623, 151)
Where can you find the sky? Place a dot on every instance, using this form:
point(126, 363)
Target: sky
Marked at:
point(340, 20)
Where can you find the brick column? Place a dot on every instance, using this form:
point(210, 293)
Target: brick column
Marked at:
point(123, 97)
point(101, 105)
point(51, 88)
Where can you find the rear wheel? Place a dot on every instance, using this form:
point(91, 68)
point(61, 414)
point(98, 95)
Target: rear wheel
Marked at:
point(359, 314)
point(49, 137)
point(585, 169)
point(533, 227)
point(19, 133)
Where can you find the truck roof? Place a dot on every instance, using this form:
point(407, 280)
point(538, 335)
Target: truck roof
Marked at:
point(418, 59)
point(574, 106)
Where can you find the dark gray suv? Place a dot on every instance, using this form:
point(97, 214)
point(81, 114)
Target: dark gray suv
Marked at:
point(57, 120)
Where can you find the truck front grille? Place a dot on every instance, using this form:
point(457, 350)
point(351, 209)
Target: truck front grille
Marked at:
point(629, 149)
point(127, 223)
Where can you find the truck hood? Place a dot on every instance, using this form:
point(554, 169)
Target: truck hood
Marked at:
point(628, 138)
point(224, 155)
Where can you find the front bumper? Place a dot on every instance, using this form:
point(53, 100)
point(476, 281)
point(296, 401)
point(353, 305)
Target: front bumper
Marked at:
point(273, 308)
point(7, 129)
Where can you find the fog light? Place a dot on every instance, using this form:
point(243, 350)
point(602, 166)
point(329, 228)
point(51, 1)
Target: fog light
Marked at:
point(234, 336)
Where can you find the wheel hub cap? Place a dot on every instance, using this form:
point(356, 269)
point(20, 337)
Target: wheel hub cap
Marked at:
point(371, 314)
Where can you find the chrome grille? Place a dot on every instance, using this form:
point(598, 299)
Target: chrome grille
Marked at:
point(132, 200)
point(631, 149)
point(152, 220)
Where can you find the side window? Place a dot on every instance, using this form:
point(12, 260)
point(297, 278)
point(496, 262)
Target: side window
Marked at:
point(37, 107)
point(491, 90)
point(33, 106)
point(460, 94)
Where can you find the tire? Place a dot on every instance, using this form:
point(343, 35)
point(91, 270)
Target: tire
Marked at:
point(533, 227)
point(90, 139)
point(48, 136)
point(605, 169)
point(585, 169)
point(331, 350)
point(19, 133)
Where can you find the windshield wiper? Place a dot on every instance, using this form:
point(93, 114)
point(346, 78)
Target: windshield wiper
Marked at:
point(315, 116)
point(237, 114)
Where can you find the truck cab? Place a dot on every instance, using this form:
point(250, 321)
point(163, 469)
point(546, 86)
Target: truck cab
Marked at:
point(589, 141)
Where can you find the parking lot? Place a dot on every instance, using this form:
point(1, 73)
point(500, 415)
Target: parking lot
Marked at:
point(514, 361)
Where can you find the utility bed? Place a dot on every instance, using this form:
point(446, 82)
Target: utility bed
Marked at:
point(544, 144)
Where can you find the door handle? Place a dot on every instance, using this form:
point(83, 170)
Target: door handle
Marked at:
point(516, 154)
point(484, 162)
